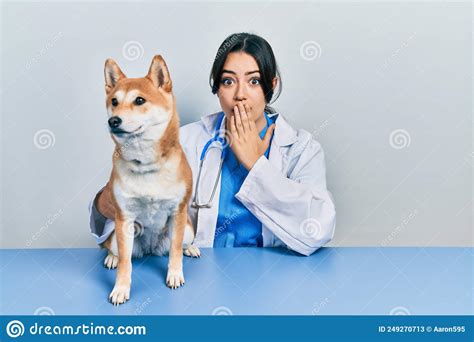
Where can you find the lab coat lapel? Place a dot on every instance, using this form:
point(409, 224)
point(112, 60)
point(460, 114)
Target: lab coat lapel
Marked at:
point(283, 135)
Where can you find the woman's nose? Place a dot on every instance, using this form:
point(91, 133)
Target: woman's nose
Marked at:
point(240, 93)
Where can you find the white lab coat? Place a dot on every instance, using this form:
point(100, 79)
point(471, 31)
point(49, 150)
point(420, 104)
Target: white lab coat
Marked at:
point(286, 192)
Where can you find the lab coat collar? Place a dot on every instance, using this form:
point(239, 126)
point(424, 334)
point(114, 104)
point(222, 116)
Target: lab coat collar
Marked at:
point(284, 134)
point(209, 122)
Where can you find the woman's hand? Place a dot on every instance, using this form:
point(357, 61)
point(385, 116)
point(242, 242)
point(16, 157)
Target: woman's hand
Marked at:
point(245, 139)
point(104, 203)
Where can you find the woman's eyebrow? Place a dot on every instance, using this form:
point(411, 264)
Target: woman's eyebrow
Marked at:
point(233, 72)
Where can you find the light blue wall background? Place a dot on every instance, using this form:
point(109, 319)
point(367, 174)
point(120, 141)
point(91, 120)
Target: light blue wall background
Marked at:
point(386, 88)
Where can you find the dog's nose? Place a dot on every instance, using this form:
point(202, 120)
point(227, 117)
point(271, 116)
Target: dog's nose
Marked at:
point(114, 122)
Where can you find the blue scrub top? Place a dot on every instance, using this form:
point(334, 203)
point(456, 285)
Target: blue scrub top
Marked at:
point(236, 225)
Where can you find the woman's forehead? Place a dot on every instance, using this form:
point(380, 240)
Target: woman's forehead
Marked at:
point(240, 63)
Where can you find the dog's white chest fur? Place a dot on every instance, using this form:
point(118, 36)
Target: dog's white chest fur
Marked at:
point(149, 193)
point(140, 149)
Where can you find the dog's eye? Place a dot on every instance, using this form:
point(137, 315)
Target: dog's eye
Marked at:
point(139, 101)
point(114, 102)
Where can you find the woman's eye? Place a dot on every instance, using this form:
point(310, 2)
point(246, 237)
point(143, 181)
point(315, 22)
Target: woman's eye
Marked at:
point(139, 101)
point(114, 102)
point(255, 81)
point(226, 81)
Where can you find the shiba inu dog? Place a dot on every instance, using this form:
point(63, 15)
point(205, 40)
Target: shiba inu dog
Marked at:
point(151, 181)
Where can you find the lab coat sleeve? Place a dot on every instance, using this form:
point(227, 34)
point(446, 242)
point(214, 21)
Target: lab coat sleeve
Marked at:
point(298, 209)
point(96, 219)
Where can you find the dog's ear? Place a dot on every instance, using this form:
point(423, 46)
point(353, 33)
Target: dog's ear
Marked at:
point(159, 74)
point(113, 74)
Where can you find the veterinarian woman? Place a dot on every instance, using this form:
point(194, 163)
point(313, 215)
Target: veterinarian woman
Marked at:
point(256, 180)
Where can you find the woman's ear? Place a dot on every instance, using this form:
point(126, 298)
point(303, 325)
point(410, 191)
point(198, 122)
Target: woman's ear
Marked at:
point(274, 83)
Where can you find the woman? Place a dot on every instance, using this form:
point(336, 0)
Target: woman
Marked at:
point(270, 189)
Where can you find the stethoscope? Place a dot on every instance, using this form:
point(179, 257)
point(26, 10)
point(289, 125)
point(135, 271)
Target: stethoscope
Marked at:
point(222, 141)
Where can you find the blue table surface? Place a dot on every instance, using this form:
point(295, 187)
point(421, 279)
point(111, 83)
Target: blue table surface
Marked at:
point(243, 281)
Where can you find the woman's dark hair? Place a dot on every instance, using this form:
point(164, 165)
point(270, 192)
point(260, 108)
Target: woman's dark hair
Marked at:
point(261, 51)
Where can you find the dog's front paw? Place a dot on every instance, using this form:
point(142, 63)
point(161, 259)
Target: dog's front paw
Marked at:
point(175, 278)
point(192, 251)
point(120, 294)
point(111, 261)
